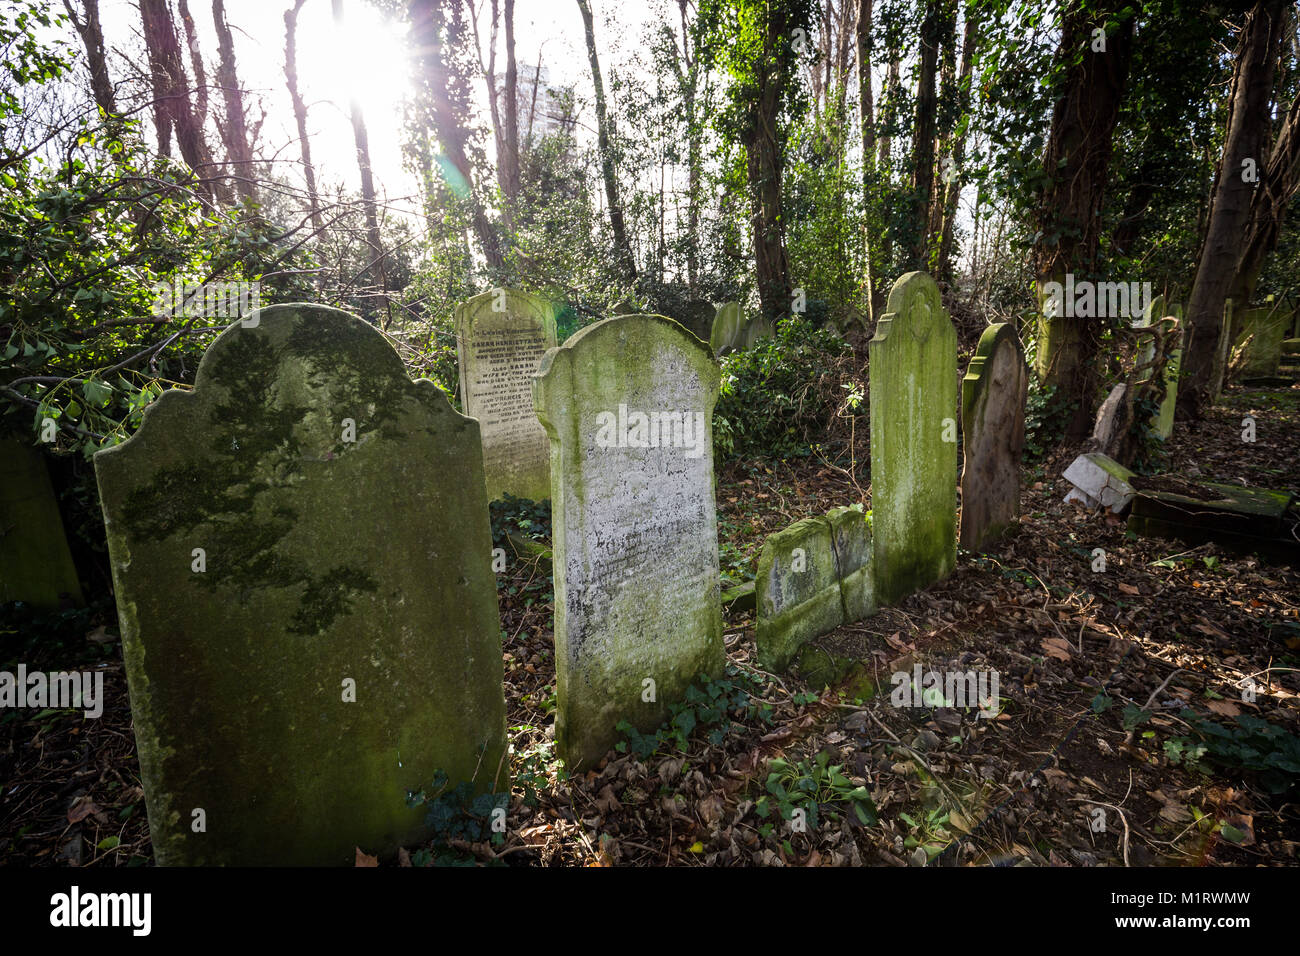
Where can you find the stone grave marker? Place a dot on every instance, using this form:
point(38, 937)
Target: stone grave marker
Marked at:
point(728, 330)
point(993, 431)
point(1164, 419)
point(812, 577)
point(302, 563)
point(35, 563)
point(913, 380)
point(501, 336)
point(627, 404)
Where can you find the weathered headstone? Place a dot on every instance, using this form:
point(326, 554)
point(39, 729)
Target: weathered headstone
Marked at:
point(1111, 425)
point(728, 330)
point(696, 316)
point(1099, 482)
point(758, 327)
point(501, 337)
point(1222, 352)
point(35, 563)
point(1258, 348)
point(913, 379)
point(301, 554)
point(993, 430)
point(1164, 420)
point(627, 404)
point(812, 577)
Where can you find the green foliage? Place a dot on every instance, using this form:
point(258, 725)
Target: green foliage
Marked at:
point(1265, 750)
point(708, 705)
point(457, 814)
point(777, 397)
point(522, 516)
point(1046, 414)
point(817, 788)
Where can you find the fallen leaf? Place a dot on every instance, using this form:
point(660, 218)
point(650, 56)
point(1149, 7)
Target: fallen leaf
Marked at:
point(83, 808)
point(364, 860)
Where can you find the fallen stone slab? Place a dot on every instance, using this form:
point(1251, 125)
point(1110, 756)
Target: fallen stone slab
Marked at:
point(1244, 520)
point(1100, 482)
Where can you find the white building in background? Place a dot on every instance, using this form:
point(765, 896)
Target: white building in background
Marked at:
point(543, 109)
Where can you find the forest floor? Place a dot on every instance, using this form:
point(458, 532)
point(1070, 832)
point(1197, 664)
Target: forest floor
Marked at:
point(1098, 755)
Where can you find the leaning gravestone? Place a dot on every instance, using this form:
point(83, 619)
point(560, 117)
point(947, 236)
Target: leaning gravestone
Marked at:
point(727, 334)
point(35, 563)
point(501, 337)
point(913, 380)
point(627, 404)
point(301, 556)
point(993, 429)
point(1164, 420)
point(1222, 351)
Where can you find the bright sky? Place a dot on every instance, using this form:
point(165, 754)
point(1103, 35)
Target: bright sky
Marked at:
point(369, 58)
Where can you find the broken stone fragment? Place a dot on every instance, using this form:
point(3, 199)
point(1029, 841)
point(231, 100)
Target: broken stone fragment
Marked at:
point(1100, 482)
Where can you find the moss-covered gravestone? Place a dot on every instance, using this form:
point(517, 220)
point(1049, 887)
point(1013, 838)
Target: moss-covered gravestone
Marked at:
point(913, 380)
point(993, 431)
point(302, 561)
point(35, 563)
point(501, 337)
point(812, 577)
point(628, 406)
point(1164, 419)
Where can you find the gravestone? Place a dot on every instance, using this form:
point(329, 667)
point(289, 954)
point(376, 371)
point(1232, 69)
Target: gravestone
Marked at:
point(913, 378)
point(301, 555)
point(696, 316)
point(1164, 419)
point(993, 431)
point(628, 404)
point(35, 563)
point(728, 330)
point(1258, 348)
point(812, 577)
point(501, 337)
point(798, 591)
point(1222, 352)
point(758, 327)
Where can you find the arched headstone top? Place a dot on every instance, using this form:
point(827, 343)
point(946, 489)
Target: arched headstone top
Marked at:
point(915, 304)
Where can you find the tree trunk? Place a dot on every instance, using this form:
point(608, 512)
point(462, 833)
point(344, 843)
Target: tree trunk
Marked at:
point(1077, 163)
point(428, 23)
point(953, 178)
point(362, 139)
point(1244, 143)
point(1278, 181)
point(510, 153)
point(687, 81)
point(300, 108)
point(764, 167)
point(622, 248)
point(866, 105)
point(196, 63)
point(234, 132)
point(923, 132)
point(173, 111)
point(92, 37)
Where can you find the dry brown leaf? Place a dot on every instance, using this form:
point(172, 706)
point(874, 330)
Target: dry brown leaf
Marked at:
point(366, 860)
point(1056, 647)
point(83, 808)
